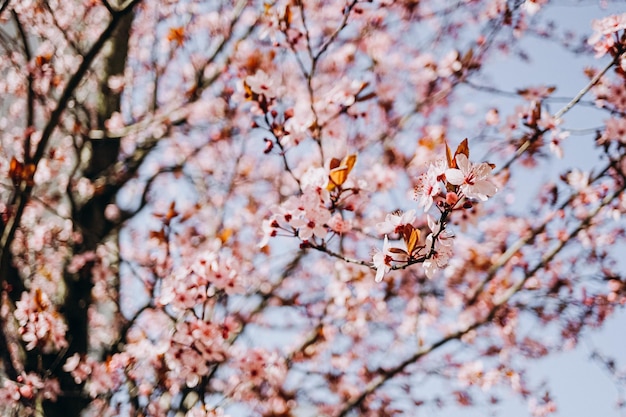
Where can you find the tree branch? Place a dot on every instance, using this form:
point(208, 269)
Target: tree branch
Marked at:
point(385, 375)
point(522, 242)
point(524, 146)
point(25, 188)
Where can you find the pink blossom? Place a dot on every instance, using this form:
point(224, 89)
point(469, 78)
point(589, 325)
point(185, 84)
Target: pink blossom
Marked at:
point(472, 179)
point(428, 187)
point(608, 25)
point(555, 142)
point(382, 260)
point(602, 39)
point(492, 118)
point(533, 6)
point(115, 122)
point(442, 247)
point(112, 212)
point(260, 366)
point(339, 225)
point(9, 392)
point(195, 344)
point(221, 271)
point(471, 373)
point(315, 178)
point(394, 221)
point(313, 226)
point(263, 84)
point(269, 230)
point(185, 313)
point(541, 408)
point(40, 324)
point(71, 363)
point(579, 180)
point(312, 216)
point(116, 83)
point(450, 64)
point(615, 131)
point(183, 290)
point(297, 127)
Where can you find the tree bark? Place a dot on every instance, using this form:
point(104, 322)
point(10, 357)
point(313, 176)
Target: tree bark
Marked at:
point(94, 225)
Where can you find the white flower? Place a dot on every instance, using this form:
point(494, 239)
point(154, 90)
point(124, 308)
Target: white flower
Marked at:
point(317, 178)
point(442, 246)
point(71, 363)
point(433, 225)
point(382, 261)
point(439, 259)
point(579, 180)
point(393, 222)
point(427, 187)
point(313, 216)
point(307, 228)
point(262, 83)
point(471, 178)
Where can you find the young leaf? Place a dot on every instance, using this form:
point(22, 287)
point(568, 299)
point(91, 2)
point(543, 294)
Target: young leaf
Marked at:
point(411, 237)
point(463, 148)
point(339, 171)
point(449, 158)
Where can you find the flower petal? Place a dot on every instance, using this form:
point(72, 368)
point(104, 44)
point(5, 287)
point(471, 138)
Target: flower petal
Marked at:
point(455, 176)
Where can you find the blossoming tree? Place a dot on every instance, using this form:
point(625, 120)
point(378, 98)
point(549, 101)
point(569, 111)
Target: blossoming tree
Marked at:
point(196, 194)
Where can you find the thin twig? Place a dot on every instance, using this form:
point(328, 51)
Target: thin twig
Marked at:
point(524, 146)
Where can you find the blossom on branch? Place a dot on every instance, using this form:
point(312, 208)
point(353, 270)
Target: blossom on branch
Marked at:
point(603, 38)
point(261, 84)
point(139, 165)
point(472, 178)
point(440, 243)
point(395, 221)
point(428, 186)
point(382, 260)
point(40, 324)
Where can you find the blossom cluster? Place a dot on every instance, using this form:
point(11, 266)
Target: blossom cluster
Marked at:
point(100, 377)
point(309, 216)
point(305, 217)
point(606, 38)
point(27, 387)
point(451, 186)
point(40, 324)
point(191, 286)
point(196, 344)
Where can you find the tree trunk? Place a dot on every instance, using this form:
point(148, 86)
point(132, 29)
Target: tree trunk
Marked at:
point(94, 225)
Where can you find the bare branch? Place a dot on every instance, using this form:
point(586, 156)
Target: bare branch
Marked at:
point(524, 146)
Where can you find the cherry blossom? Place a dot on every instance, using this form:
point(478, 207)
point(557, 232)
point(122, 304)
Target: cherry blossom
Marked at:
point(382, 260)
point(492, 118)
point(39, 323)
point(471, 178)
point(339, 225)
point(602, 39)
point(262, 84)
point(441, 243)
point(615, 131)
point(428, 187)
point(394, 221)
